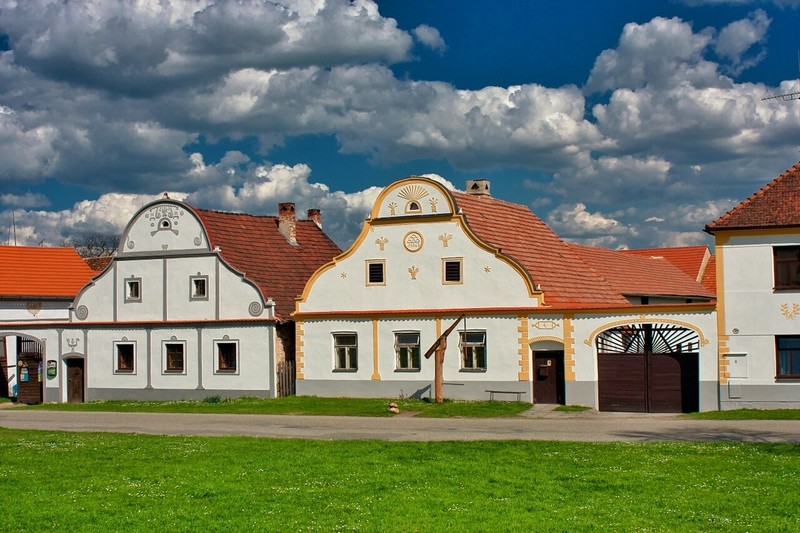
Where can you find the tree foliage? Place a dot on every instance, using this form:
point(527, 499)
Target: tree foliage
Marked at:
point(95, 244)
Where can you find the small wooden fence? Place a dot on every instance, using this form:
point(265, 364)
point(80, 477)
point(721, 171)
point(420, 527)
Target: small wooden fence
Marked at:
point(286, 379)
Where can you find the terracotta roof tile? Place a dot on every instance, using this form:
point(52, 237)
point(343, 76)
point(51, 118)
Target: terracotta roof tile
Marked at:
point(776, 204)
point(254, 246)
point(635, 274)
point(563, 276)
point(709, 280)
point(690, 259)
point(98, 263)
point(42, 272)
point(571, 275)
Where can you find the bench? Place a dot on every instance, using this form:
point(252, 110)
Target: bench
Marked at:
point(492, 392)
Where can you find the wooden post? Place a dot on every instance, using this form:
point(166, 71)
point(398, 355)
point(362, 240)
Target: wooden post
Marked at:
point(438, 372)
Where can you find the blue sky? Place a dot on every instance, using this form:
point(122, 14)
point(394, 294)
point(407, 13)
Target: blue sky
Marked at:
point(620, 123)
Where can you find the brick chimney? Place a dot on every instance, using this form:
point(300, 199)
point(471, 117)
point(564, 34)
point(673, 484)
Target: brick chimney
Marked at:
point(316, 216)
point(287, 223)
point(479, 187)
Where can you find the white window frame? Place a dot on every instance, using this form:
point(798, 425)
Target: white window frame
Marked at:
point(351, 359)
point(117, 369)
point(401, 347)
point(217, 367)
point(164, 369)
point(192, 286)
point(465, 345)
point(128, 287)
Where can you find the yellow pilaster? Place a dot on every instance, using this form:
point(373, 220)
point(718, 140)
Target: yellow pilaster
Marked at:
point(376, 375)
point(524, 349)
point(298, 350)
point(569, 348)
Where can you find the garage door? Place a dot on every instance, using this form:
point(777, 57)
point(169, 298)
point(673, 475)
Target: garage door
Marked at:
point(648, 368)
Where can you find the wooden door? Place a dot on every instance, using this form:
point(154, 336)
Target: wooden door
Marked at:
point(74, 380)
point(622, 382)
point(548, 377)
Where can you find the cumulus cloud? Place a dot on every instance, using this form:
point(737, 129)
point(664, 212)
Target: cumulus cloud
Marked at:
point(118, 99)
point(430, 37)
point(738, 37)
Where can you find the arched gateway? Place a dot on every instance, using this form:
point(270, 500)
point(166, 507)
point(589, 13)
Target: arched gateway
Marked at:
point(648, 368)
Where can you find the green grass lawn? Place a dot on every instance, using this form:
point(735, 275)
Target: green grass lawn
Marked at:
point(109, 482)
point(303, 405)
point(748, 414)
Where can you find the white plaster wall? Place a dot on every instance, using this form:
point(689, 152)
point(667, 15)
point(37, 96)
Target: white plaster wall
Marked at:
point(33, 310)
point(98, 298)
point(488, 281)
point(179, 304)
point(754, 312)
point(164, 380)
point(236, 295)
point(502, 357)
point(253, 372)
point(101, 359)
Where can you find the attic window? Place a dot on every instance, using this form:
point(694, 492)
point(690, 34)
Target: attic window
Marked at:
point(133, 289)
point(198, 286)
point(413, 207)
point(376, 274)
point(451, 270)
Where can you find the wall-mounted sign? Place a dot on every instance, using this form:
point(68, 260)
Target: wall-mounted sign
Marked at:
point(52, 368)
point(23, 374)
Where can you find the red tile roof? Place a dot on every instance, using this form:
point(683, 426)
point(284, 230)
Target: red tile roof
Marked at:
point(98, 263)
point(42, 272)
point(552, 264)
point(776, 204)
point(709, 280)
point(690, 259)
point(635, 274)
point(254, 246)
point(570, 276)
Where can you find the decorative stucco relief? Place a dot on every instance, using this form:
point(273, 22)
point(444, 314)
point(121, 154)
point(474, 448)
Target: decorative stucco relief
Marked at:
point(790, 314)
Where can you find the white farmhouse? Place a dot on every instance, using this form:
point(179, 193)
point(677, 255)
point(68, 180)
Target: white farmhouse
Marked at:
point(195, 303)
point(37, 285)
point(545, 321)
point(758, 281)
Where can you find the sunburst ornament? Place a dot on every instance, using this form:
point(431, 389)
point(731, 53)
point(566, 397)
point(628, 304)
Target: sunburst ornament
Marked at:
point(413, 194)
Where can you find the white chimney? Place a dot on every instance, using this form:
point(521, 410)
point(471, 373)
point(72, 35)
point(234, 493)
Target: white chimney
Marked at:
point(315, 215)
point(479, 187)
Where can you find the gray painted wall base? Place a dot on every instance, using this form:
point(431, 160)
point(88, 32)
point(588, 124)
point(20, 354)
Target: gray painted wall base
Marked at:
point(170, 394)
point(453, 390)
point(581, 393)
point(738, 396)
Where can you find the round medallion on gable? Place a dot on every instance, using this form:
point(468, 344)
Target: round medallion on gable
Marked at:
point(82, 312)
point(413, 241)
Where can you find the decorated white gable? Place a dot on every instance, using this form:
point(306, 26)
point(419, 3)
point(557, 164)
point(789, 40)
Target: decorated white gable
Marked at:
point(164, 226)
point(417, 252)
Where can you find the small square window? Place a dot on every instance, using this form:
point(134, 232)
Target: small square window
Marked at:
point(198, 286)
point(133, 289)
point(227, 356)
point(125, 360)
point(451, 271)
point(376, 273)
point(406, 345)
point(174, 361)
point(345, 351)
point(473, 350)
